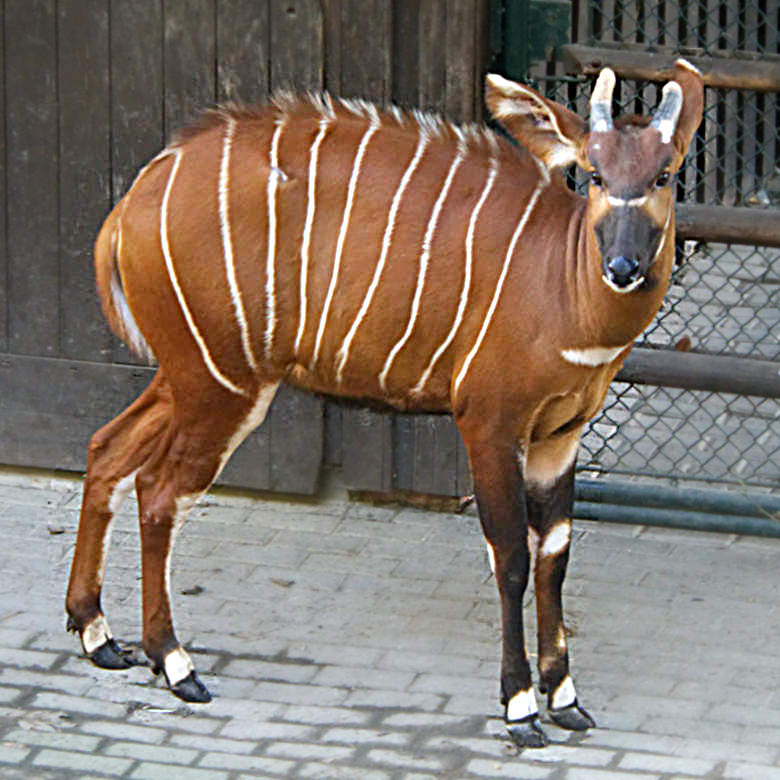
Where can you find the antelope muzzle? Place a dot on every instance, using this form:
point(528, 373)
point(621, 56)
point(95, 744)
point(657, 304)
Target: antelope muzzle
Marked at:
point(628, 240)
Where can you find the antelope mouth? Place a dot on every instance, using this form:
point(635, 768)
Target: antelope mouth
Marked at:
point(626, 287)
point(623, 274)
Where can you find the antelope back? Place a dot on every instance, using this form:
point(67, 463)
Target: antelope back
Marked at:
point(355, 251)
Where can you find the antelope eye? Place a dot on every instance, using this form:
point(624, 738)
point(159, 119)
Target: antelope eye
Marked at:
point(596, 180)
point(663, 180)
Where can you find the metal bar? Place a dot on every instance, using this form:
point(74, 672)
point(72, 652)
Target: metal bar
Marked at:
point(692, 371)
point(665, 497)
point(675, 518)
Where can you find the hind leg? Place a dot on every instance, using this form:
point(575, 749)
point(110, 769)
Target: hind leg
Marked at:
point(116, 452)
point(203, 434)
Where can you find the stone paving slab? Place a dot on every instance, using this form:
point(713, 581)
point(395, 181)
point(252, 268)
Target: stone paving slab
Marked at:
point(342, 640)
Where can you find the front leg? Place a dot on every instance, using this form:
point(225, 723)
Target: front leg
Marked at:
point(549, 468)
point(499, 492)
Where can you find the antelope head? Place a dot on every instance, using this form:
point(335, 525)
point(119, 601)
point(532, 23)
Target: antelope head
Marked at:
point(632, 162)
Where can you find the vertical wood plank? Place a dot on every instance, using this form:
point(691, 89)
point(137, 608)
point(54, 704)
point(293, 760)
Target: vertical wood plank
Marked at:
point(463, 52)
point(331, 10)
point(465, 484)
point(651, 21)
point(297, 436)
point(297, 45)
point(772, 116)
point(366, 41)
point(3, 197)
point(31, 175)
point(582, 19)
point(243, 50)
point(368, 451)
point(365, 70)
point(727, 117)
point(435, 455)
point(262, 47)
point(432, 74)
point(85, 178)
point(190, 72)
point(405, 55)
point(748, 113)
point(481, 57)
point(403, 451)
point(767, 40)
point(137, 122)
point(608, 18)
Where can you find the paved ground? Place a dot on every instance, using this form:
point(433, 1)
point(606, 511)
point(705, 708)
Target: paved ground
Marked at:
point(344, 641)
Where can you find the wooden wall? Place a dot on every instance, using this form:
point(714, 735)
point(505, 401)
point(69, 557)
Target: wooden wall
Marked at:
point(93, 88)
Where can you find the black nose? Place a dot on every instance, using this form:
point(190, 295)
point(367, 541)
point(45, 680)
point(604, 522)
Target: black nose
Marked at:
point(622, 270)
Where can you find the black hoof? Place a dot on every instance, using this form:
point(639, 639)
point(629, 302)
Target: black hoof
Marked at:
point(191, 689)
point(527, 733)
point(111, 656)
point(573, 718)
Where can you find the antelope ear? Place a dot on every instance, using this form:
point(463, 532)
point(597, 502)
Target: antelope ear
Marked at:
point(692, 86)
point(545, 128)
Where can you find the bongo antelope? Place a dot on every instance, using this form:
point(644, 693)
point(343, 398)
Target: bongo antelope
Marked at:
point(376, 254)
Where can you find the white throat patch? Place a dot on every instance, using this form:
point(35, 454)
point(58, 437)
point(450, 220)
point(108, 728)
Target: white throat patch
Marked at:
point(592, 356)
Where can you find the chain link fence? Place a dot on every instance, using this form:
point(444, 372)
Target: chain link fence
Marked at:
point(723, 298)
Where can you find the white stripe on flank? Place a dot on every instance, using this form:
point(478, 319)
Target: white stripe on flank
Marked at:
point(372, 128)
point(227, 243)
point(166, 250)
point(343, 353)
point(497, 294)
point(270, 264)
point(307, 228)
point(464, 293)
point(423, 269)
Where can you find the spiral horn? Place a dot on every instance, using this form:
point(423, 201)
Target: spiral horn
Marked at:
point(601, 102)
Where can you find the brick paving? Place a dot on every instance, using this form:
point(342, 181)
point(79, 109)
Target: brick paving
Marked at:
point(347, 641)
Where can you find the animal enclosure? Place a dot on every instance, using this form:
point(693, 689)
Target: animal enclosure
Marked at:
point(89, 98)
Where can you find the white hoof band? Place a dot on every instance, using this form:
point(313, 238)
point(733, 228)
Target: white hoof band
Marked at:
point(521, 706)
point(178, 666)
point(95, 634)
point(564, 694)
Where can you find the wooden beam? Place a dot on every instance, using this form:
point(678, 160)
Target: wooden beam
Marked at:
point(693, 371)
point(725, 72)
point(728, 224)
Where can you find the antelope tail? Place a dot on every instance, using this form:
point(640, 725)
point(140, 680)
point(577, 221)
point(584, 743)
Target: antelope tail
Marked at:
point(112, 295)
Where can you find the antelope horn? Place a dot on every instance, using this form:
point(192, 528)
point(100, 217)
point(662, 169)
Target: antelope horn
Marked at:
point(601, 102)
point(666, 116)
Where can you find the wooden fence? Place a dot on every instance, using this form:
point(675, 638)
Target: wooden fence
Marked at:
point(93, 88)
